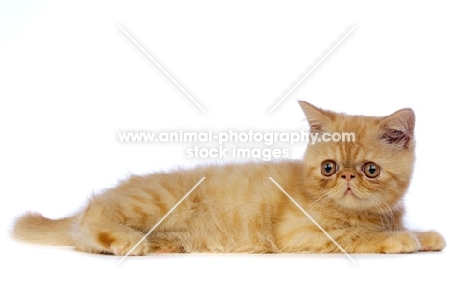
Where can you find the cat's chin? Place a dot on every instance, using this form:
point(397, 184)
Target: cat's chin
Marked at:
point(353, 203)
point(351, 200)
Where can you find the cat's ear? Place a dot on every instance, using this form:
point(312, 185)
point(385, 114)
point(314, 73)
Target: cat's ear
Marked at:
point(317, 118)
point(398, 128)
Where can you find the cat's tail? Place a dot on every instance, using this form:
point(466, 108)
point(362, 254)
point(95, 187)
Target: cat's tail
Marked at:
point(34, 228)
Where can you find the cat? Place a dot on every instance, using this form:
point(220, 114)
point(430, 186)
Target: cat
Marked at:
point(353, 190)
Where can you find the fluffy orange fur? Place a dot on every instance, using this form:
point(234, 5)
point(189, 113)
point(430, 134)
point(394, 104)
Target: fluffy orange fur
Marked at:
point(354, 190)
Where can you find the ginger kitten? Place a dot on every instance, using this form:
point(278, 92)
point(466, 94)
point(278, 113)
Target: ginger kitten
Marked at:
point(353, 190)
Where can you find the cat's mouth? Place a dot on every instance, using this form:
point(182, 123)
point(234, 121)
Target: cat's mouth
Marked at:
point(349, 192)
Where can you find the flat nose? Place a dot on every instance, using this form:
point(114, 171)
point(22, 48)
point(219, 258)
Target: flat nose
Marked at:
point(347, 174)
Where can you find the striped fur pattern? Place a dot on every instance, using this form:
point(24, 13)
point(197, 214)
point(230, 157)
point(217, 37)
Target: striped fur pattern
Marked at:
point(238, 209)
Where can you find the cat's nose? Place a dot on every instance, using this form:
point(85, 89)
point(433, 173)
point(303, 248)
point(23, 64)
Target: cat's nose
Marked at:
point(347, 175)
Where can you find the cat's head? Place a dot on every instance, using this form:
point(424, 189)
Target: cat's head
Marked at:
point(371, 171)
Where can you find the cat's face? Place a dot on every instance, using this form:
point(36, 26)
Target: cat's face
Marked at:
point(371, 172)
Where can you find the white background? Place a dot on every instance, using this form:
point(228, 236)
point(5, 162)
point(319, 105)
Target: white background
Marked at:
point(70, 80)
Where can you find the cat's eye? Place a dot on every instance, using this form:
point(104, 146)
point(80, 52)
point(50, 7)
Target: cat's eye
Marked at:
point(328, 167)
point(371, 169)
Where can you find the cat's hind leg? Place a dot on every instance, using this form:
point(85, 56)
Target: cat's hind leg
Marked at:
point(100, 230)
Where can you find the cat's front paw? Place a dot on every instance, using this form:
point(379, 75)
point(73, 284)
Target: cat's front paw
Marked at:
point(400, 242)
point(431, 241)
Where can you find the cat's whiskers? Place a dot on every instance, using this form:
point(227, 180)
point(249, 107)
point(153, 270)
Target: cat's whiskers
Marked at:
point(388, 214)
point(319, 205)
point(381, 211)
point(318, 199)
